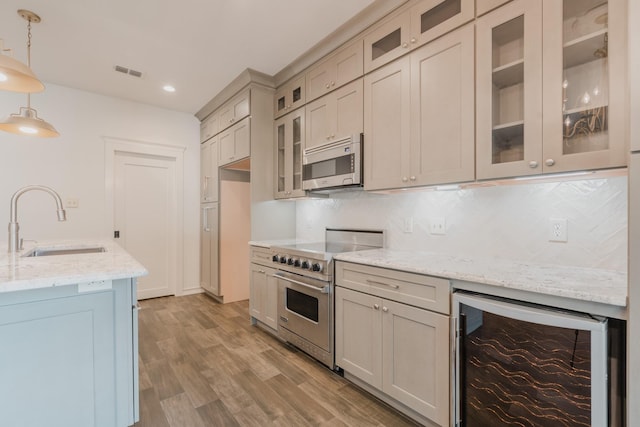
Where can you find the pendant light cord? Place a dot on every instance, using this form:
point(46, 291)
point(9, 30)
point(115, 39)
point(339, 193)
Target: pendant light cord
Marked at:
point(29, 58)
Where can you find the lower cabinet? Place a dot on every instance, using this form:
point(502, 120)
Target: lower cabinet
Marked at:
point(401, 350)
point(70, 356)
point(263, 299)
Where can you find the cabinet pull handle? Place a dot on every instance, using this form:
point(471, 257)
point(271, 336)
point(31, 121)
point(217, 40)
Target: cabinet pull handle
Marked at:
point(549, 162)
point(205, 192)
point(405, 45)
point(412, 178)
point(374, 282)
point(261, 271)
point(533, 164)
point(413, 40)
point(376, 307)
point(326, 86)
point(205, 220)
point(385, 309)
point(405, 179)
point(333, 83)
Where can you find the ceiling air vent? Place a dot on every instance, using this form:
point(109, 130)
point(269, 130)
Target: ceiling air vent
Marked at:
point(129, 71)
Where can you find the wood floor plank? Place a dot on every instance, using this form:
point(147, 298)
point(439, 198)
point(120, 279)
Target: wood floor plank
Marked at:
point(195, 385)
point(180, 412)
point(164, 379)
point(305, 404)
point(216, 414)
point(151, 412)
point(203, 363)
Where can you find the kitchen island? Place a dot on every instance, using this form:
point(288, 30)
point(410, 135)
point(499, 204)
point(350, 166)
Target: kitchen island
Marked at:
point(68, 333)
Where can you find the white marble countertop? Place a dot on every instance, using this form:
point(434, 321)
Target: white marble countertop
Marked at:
point(21, 273)
point(586, 284)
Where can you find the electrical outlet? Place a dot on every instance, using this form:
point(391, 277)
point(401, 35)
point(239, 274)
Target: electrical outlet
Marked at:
point(72, 203)
point(558, 230)
point(408, 225)
point(437, 226)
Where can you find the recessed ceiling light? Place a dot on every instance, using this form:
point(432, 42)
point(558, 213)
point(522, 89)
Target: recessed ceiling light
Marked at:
point(169, 88)
point(3, 77)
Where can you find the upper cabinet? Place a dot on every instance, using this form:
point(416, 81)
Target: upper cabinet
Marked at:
point(234, 110)
point(209, 127)
point(335, 116)
point(289, 97)
point(235, 142)
point(289, 139)
point(336, 70)
point(509, 90)
point(419, 116)
point(425, 21)
point(582, 127)
point(584, 43)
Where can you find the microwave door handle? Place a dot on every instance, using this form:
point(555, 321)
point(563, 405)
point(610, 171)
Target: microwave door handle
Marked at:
point(323, 290)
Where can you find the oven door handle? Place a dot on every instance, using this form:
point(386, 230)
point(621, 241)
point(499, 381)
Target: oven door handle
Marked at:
point(323, 290)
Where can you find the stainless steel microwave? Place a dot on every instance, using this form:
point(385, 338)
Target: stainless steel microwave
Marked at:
point(333, 165)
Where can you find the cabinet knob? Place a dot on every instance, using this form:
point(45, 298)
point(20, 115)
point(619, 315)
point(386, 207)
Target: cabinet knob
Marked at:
point(412, 178)
point(385, 309)
point(549, 162)
point(333, 83)
point(376, 307)
point(533, 164)
point(326, 86)
point(231, 120)
point(413, 40)
point(405, 179)
point(333, 136)
point(405, 45)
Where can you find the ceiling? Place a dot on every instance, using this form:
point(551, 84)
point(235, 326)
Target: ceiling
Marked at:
point(198, 46)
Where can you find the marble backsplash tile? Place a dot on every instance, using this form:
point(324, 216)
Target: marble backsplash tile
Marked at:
point(503, 221)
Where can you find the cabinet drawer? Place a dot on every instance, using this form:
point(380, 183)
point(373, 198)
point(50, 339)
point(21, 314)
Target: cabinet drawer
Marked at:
point(260, 255)
point(431, 293)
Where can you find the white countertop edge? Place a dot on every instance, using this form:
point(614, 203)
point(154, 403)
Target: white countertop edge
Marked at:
point(19, 273)
point(586, 284)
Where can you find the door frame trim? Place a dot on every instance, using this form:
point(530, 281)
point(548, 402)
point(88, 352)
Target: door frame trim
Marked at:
point(113, 145)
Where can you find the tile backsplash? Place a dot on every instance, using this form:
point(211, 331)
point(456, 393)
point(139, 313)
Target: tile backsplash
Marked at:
point(511, 221)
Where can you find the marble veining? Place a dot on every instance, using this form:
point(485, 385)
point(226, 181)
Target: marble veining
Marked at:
point(587, 284)
point(21, 273)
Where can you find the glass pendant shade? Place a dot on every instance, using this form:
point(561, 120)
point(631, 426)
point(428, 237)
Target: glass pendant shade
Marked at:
point(27, 122)
point(17, 77)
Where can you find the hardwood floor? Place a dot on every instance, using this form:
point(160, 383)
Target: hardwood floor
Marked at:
point(203, 364)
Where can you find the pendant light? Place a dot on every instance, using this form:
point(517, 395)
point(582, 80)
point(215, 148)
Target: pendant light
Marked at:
point(15, 76)
point(27, 122)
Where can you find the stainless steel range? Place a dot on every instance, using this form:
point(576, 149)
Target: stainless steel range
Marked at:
point(305, 288)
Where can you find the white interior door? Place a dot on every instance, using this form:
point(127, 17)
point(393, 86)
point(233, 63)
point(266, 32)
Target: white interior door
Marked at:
point(145, 209)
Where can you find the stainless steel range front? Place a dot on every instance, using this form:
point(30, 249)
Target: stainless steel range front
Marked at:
point(305, 288)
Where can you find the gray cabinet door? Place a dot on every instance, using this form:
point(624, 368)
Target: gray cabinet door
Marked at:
point(57, 361)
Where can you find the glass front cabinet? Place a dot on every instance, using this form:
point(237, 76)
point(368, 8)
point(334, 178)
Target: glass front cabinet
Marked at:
point(289, 139)
point(545, 102)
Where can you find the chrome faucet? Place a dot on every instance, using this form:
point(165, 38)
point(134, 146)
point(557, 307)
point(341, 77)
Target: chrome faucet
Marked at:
point(14, 240)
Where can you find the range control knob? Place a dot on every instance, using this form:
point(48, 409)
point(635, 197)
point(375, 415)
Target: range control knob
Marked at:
point(296, 263)
point(275, 258)
point(316, 267)
point(305, 264)
point(283, 259)
point(291, 261)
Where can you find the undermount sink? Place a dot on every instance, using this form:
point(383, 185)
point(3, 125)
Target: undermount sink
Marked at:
point(64, 251)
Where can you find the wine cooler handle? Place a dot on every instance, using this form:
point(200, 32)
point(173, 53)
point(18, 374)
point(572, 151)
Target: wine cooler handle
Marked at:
point(463, 370)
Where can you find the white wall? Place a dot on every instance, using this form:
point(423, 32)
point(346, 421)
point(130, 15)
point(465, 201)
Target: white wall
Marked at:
point(504, 221)
point(73, 164)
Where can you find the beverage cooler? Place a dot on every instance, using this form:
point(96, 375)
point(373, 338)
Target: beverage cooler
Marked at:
point(520, 364)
